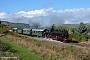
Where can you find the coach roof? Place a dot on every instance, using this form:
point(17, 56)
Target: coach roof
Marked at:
point(38, 29)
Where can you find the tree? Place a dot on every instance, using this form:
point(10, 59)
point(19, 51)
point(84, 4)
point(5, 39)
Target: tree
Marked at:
point(76, 37)
point(61, 28)
point(53, 26)
point(0, 22)
point(83, 37)
point(82, 28)
point(88, 29)
point(71, 30)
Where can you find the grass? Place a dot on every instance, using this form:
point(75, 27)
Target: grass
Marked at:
point(23, 53)
point(51, 50)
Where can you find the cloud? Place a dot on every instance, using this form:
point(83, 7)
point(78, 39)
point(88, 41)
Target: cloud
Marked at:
point(2, 15)
point(47, 17)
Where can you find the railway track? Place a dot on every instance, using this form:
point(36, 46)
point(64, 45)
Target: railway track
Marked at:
point(78, 45)
point(47, 39)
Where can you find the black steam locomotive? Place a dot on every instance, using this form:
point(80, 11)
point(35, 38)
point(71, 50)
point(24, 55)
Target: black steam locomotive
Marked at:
point(59, 35)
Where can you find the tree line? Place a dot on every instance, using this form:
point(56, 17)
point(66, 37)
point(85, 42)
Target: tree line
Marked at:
point(80, 33)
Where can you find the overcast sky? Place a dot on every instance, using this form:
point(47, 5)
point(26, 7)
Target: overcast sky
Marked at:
point(45, 12)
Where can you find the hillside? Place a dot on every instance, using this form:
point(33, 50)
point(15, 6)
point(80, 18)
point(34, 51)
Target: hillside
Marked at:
point(52, 50)
point(71, 25)
point(18, 25)
point(23, 25)
point(12, 51)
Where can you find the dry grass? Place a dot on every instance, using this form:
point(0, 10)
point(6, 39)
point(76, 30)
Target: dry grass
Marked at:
point(51, 50)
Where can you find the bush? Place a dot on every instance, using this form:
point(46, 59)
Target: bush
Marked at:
point(83, 37)
point(3, 28)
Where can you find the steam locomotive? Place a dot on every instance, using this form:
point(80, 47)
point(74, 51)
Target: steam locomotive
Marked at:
point(59, 35)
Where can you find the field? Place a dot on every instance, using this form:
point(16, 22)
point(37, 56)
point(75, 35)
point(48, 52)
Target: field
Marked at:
point(51, 50)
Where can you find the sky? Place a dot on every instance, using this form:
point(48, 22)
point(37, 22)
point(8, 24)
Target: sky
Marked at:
point(45, 12)
point(26, 5)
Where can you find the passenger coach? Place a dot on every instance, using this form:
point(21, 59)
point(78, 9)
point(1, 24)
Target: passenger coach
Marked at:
point(38, 32)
